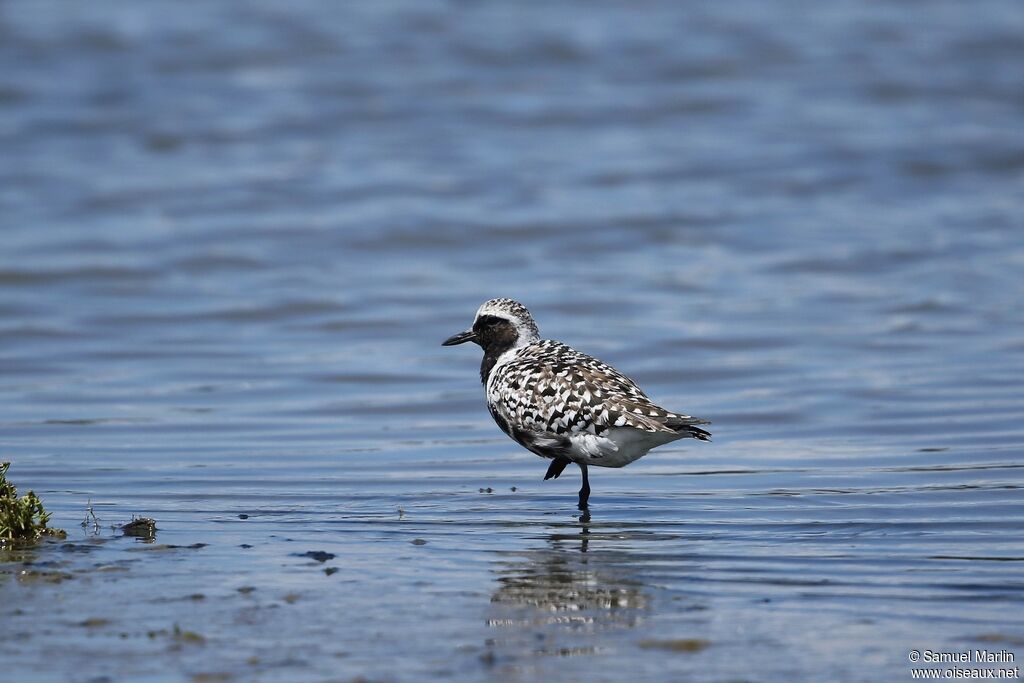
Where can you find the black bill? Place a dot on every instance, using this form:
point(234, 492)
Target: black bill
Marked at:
point(460, 338)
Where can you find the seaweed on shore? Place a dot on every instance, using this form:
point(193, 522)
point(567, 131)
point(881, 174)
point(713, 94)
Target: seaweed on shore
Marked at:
point(22, 520)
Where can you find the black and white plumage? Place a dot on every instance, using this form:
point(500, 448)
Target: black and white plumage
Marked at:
point(563, 404)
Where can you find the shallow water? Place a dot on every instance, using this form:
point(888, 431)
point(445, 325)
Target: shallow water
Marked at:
point(235, 237)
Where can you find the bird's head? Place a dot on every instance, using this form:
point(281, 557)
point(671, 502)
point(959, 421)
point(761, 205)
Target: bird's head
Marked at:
point(499, 324)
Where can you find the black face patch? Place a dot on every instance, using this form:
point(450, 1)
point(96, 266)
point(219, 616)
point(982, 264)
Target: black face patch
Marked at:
point(494, 333)
point(496, 336)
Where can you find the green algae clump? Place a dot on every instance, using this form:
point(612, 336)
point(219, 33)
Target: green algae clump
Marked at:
point(22, 520)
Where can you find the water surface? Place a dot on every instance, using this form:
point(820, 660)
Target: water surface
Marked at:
point(234, 237)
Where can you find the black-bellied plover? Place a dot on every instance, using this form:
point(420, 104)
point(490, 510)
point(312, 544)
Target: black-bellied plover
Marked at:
point(562, 404)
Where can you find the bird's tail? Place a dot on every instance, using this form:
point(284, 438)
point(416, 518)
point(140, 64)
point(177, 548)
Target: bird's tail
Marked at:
point(684, 424)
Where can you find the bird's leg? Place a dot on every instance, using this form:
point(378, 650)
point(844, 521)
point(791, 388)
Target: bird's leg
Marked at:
point(585, 491)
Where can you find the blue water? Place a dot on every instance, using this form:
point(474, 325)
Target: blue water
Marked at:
point(233, 237)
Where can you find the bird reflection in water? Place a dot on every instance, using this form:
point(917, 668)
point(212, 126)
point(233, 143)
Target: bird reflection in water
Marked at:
point(554, 600)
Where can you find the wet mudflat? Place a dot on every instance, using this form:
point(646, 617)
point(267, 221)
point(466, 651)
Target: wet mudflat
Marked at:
point(230, 255)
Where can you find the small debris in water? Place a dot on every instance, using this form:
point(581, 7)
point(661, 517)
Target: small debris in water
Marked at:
point(245, 590)
point(676, 644)
point(243, 516)
point(214, 677)
point(167, 546)
point(90, 516)
point(77, 547)
point(94, 622)
point(183, 636)
point(30, 576)
point(318, 555)
point(244, 545)
point(330, 570)
point(997, 638)
point(291, 598)
point(418, 541)
point(140, 527)
point(513, 489)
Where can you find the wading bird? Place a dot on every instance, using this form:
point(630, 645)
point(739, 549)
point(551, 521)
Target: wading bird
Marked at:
point(562, 404)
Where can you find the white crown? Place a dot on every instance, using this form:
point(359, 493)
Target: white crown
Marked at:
point(515, 313)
